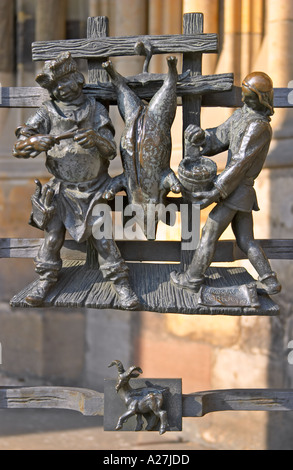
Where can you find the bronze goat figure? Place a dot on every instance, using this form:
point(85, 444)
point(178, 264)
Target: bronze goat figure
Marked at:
point(140, 401)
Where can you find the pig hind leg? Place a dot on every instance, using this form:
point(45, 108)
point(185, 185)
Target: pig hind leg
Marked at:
point(164, 103)
point(128, 102)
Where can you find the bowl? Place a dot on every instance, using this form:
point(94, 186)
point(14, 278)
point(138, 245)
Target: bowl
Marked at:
point(197, 175)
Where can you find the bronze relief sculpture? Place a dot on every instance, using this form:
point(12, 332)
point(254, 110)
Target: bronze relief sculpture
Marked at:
point(140, 402)
point(77, 135)
point(145, 147)
point(247, 136)
point(75, 132)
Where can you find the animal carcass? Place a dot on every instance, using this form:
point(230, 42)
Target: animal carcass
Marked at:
point(145, 147)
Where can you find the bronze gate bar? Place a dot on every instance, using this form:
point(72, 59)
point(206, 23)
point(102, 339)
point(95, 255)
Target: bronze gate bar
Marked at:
point(91, 403)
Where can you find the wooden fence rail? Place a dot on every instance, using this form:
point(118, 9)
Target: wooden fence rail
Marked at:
point(33, 97)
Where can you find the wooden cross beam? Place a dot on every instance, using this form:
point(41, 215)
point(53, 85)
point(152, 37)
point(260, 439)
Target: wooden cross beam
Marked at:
point(98, 47)
point(186, 86)
point(124, 46)
point(33, 97)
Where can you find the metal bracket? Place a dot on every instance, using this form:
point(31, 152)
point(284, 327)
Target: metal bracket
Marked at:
point(115, 408)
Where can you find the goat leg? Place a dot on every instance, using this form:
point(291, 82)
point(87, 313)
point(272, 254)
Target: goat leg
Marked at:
point(124, 418)
point(139, 422)
point(152, 423)
point(127, 100)
point(164, 422)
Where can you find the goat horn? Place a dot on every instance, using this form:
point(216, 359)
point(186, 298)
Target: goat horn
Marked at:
point(119, 366)
point(132, 369)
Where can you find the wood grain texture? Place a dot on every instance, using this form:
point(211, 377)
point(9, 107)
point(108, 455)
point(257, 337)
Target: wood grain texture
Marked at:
point(33, 97)
point(192, 24)
point(283, 98)
point(190, 86)
point(191, 104)
point(79, 286)
point(97, 27)
point(124, 46)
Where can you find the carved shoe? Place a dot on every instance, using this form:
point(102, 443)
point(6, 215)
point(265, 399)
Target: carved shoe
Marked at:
point(127, 298)
point(270, 284)
point(39, 293)
point(182, 281)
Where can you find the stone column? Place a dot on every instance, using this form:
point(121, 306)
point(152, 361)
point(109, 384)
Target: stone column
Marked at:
point(210, 9)
point(165, 17)
point(129, 19)
point(246, 33)
point(229, 57)
point(280, 68)
point(6, 53)
point(155, 27)
point(7, 41)
point(172, 16)
point(50, 20)
point(257, 27)
point(99, 8)
point(229, 60)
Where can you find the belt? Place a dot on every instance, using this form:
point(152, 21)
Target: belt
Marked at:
point(85, 185)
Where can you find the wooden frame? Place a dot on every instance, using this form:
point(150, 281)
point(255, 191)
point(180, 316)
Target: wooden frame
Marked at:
point(91, 402)
point(194, 91)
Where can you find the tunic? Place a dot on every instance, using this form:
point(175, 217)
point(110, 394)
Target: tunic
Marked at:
point(80, 176)
point(247, 136)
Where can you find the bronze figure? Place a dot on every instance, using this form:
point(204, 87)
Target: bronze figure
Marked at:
point(146, 146)
point(140, 401)
point(77, 136)
point(246, 135)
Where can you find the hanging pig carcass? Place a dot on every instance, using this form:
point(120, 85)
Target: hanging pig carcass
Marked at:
point(145, 148)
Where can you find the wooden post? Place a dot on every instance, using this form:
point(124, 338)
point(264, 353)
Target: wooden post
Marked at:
point(191, 105)
point(97, 27)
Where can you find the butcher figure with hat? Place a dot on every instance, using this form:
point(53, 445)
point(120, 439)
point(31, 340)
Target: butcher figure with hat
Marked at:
point(77, 135)
point(246, 135)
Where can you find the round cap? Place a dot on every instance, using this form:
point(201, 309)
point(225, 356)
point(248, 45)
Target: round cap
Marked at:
point(258, 82)
point(262, 85)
